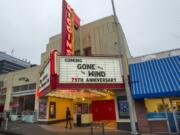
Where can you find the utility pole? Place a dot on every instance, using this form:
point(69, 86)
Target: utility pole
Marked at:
point(122, 52)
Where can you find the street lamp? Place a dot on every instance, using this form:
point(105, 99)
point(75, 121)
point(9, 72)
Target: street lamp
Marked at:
point(122, 52)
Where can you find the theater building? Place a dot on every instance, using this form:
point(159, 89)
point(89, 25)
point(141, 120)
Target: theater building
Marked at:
point(66, 84)
point(102, 98)
point(81, 69)
point(85, 84)
point(155, 87)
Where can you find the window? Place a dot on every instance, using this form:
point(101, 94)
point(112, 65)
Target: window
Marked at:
point(160, 107)
point(16, 89)
point(87, 51)
point(3, 91)
point(32, 86)
point(24, 87)
point(77, 53)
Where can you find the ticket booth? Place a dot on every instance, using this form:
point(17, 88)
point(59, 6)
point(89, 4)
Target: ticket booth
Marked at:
point(82, 114)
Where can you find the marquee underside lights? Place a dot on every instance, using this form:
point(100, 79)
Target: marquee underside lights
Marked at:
point(75, 94)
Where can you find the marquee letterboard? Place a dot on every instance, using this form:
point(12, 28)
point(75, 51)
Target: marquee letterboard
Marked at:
point(89, 70)
point(45, 77)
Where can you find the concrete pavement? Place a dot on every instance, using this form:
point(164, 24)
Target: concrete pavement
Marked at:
point(20, 128)
point(36, 129)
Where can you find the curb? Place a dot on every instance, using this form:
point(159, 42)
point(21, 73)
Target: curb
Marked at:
point(8, 133)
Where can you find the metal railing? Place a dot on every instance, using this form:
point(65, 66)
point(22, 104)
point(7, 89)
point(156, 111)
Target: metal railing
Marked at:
point(97, 125)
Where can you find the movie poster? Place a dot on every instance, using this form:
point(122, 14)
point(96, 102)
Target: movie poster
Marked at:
point(52, 110)
point(123, 108)
point(42, 108)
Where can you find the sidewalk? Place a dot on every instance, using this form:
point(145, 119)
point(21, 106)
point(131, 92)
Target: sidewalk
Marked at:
point(36, 129)
point(20, 128)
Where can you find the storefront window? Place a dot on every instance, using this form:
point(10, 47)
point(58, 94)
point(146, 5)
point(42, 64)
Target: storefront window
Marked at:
point(160, 107)
point(23, 105)
point(29, 103)
point(156, 105)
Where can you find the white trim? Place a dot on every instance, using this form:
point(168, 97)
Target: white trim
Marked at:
point(156, 119)
point(160, 55)
point(123, 120)
point(43, 120)
point(24, 93)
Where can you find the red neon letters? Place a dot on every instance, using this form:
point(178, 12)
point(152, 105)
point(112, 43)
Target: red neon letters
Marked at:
point(69, 21)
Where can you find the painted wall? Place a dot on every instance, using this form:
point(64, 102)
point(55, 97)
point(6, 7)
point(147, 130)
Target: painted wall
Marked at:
point(61, 105)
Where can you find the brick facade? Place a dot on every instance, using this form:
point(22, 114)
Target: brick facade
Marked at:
point(158, 126)
point(141, 112)
point(146, 126)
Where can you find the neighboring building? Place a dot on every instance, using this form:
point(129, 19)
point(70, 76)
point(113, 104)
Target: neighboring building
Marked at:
point(155, 87)
point(9, 63)
point(17, 92)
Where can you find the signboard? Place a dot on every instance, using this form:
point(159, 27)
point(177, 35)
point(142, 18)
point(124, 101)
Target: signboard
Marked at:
point(70, 21)
point(45, 78)
point(90, 70)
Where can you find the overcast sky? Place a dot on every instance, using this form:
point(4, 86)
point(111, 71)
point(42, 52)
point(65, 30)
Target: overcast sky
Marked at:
point(149, 25)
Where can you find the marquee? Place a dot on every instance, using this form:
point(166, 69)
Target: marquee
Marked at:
point(89, 70)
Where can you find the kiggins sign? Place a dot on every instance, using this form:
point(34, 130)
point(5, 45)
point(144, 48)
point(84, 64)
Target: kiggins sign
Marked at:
point(90, 70)
point(70, 22)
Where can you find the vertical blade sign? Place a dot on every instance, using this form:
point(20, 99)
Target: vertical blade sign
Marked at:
point(70, 21)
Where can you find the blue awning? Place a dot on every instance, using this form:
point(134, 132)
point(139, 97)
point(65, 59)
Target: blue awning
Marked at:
point(156, 78)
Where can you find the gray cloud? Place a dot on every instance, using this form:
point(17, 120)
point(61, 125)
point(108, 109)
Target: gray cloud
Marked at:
point(149, 25)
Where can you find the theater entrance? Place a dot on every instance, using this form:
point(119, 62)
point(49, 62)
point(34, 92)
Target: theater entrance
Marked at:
point(103, 110)
point(86, 106)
